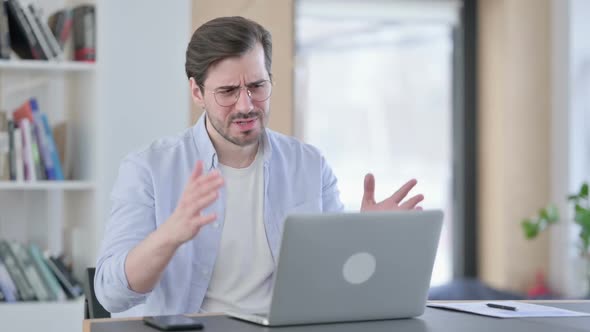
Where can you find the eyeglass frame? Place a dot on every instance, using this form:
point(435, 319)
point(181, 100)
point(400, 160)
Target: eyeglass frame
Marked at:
point(248, 92)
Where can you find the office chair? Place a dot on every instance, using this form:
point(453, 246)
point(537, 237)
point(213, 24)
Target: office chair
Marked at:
point(92, 308)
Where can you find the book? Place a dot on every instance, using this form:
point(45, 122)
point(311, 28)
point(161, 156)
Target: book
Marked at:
point(22, 39)
point(52, 147)
point(36, 29)
point(60, 24)
point(11, 151)
point(18, 155)
point(84, 33)
point(32, 139)
point(28, 161)
point(4, 33)
point(7, 285)
point(26, 264)
point(50, 279)
point(69, 283)
point(42, 141)
point(25, 290)
point(4, 148)
point(56, 50)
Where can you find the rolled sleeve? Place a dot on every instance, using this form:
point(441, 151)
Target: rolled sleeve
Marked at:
point(131, 220)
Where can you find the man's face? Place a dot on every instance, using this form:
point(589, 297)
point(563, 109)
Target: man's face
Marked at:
point(240, 121)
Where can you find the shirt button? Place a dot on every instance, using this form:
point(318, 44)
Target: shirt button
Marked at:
point(205, 272)
point(215, 225)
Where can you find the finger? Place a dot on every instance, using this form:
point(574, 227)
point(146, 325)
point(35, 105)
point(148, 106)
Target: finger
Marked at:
point(204, 180)
point(198, 170)
point(412, 202)
point(195, 174)
point(203, 220)
point(369, 193)
point(418, 208)
point(202, 203)
point(205, 188)
point(403, 191)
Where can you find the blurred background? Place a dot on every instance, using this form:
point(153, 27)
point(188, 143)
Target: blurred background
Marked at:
point(485, 102)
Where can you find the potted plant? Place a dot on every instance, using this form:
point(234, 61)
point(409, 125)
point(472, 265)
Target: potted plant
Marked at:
point(550, 215)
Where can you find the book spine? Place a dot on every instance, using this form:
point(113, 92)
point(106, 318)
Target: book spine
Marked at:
point(11, 148)
point(64, 28)
point(8, 287)
point(45, 271)
point(25, 291)
point(28, 267)
point(46, 32)
point(37, 163)
point(41, 42)
point(42, 142)
point(84, 33)
point(4, 148)
point(17, 12)
point(4, 33)
point(29, 165)
point(70, 285)
point(52, 148)
point(18, 155)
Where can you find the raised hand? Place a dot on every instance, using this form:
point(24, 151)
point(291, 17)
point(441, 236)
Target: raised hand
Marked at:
point(201, 191)
point(393, 202)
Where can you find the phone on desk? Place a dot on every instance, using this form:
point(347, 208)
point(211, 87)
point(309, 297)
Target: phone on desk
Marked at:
point(173, 323)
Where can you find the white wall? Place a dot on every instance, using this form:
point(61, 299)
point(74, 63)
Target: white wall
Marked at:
point(142, 89)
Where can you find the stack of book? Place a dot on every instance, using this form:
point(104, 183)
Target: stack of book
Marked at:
point(28, 274)
point(24, 30)
point(27, 146)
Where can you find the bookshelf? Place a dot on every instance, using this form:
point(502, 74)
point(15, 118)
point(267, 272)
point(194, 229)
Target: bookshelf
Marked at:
point(47, 185)
point(135, 92)
point(47, 66)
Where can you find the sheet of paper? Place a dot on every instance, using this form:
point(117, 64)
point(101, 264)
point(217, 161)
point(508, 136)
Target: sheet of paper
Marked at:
point(522, 309)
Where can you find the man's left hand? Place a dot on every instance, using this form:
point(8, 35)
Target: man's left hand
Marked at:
point(394, 202)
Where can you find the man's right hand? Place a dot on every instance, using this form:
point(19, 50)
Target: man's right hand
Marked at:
point(146, 262)
point(201, 191)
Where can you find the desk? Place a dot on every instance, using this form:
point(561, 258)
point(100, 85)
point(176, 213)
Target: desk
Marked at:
point(433, 320)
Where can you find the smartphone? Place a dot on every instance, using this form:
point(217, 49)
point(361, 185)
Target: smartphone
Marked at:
point(173, 323)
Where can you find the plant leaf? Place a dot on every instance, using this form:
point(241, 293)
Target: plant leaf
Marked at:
point(543, 214)
point(530, 229)
point(552, 213)
point(584, 190)
point(585, 237)
point(574, 198)
point(583, 219)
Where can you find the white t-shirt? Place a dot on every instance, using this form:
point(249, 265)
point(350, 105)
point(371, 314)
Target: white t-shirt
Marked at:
point(242, 277)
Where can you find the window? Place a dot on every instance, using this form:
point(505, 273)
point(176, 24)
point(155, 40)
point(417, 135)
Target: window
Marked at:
point(374, 93)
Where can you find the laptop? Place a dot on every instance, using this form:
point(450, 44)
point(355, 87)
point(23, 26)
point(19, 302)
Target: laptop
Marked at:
point(340, 267)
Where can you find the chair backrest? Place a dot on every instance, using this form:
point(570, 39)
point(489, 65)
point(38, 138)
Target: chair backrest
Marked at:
point(92, 308)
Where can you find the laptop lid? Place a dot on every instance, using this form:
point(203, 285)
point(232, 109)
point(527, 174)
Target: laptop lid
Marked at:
point(354, 266)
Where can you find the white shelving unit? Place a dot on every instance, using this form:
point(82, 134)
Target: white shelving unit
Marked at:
point(135, 92)
point(48, 185)
point(49, 66)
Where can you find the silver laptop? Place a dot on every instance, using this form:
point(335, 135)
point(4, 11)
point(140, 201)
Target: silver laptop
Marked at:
point(352, 266)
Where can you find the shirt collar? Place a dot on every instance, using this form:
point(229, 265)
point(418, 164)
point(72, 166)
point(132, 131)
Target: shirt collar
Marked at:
point(207, 151)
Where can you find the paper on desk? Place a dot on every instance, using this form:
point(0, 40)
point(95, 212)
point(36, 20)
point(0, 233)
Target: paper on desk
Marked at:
point(523, 309)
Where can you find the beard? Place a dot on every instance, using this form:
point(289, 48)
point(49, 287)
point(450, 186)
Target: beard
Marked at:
point(244, 138)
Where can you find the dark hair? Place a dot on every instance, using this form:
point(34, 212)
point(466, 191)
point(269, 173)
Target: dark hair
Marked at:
point(222, 38)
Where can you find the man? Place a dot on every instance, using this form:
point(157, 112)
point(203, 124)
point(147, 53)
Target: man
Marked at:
point(196, 219)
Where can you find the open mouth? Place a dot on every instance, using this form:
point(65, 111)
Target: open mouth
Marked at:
point(246, 124)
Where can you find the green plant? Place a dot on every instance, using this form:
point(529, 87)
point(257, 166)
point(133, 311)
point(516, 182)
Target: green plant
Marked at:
point(550, 215)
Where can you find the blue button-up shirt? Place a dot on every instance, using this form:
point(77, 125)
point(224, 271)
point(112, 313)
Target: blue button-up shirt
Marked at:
point(149, 185)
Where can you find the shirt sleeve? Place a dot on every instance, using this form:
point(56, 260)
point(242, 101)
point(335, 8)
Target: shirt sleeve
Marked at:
point(330, 193)
point(131, 219)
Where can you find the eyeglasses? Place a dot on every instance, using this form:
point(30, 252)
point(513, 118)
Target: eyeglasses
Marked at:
point(257, 91)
